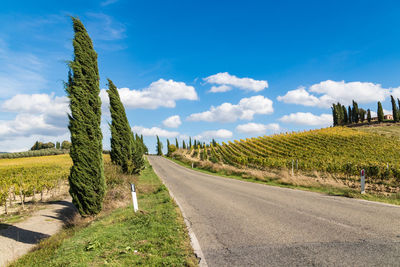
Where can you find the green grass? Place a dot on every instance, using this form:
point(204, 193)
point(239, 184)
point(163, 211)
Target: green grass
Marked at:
point(389, 129)
point(154, 236)
point(325, 189)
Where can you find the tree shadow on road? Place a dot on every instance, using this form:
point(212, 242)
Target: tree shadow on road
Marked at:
point(21, 235)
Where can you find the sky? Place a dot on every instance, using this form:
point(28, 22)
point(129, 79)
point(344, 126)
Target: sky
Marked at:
point(227, 70)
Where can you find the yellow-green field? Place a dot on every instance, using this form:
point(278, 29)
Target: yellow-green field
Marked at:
point(387, 129)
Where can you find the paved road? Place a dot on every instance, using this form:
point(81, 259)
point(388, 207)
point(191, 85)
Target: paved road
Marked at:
point(240, 223)
point(17, 239)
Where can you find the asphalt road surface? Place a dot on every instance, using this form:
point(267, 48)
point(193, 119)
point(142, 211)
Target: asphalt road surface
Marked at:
point(240, 223)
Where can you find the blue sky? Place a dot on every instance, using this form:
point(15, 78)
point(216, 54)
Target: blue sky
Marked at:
point(280, 64)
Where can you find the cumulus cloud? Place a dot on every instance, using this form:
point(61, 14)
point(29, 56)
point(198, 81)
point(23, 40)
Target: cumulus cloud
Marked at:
point(227, 81)
point(172, 122)
point(154, 131)
point(227, 112)
point(207, 135)
point(37, 114)
point(257, 128)
point(328, 92)
point(161, 93)
point(307, 118)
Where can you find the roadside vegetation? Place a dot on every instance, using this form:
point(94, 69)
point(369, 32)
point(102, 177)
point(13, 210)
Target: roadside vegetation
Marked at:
point(156, 235)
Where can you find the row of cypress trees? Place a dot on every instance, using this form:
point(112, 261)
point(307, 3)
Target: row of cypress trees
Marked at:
point(86, 179)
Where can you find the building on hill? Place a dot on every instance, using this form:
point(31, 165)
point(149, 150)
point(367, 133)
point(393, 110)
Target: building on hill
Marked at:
point(388, 117)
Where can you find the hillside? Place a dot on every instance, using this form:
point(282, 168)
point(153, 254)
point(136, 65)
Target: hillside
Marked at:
point(386, 129)
point(337, 150)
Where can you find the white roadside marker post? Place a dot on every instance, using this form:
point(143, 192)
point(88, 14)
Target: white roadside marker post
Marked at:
point(362, 181)
point(134, 198)
point(292, 166)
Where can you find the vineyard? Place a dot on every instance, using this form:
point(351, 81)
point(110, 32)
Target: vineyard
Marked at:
point(28, 177)
point(337, 150)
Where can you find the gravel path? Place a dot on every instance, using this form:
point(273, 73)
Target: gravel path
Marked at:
point(19, 238)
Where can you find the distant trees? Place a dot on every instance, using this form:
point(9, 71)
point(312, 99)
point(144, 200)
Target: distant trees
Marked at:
point(86, 178)
point(380, 112)
point(39, 145)
point(159, 147)
point(58, 145)
point(66, 145)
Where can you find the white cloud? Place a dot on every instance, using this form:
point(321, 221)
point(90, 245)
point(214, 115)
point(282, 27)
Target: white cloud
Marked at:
point(108, 2)
point(103, 27)
point(161, 93)
point(328, 92)
point(207, 135)
point(172, 122)
point(37, 114)
point(257, 128)
point(244, 110)
point(220, 89)
point(154, 131)
point(307, 118)
point(225, 80)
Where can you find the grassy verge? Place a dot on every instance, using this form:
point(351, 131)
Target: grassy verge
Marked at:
point(156, 235)
point(325, 189)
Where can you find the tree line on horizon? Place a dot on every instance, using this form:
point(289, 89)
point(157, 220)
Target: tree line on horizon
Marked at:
point(86, 178)
point(354, 115)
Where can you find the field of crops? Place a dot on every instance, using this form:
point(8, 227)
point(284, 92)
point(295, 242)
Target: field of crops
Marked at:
point(338, 150)
point(25, 177)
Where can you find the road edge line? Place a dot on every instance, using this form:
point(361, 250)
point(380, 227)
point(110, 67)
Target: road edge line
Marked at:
point(193, 239)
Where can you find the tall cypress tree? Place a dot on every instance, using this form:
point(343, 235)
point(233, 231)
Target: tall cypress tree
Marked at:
point(121, 141)
point(350, 116)
point(190, 142)
point(394, 109)
point(86, 178)
point(176, 143)
point(380, 112)
point(334, 115)
point(137, 151)
point(345, 117)
point(369, 115)
point(168, 148)
point(159, 147)
point(355, 112)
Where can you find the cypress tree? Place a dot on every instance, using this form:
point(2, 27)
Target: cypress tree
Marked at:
point(121, 140)
point(86, 178)
point(345, 117)
point(159, 147)
point(362, 113)
point(350, 118)
point(369, 115)
point(394, 109)
point(168, 148)
point(137, 152)
point(334, 115)
point(190, 142)
point(380, 112)
point(176, 143)
point(58, 145)
point(355, 112)
point(183, 144)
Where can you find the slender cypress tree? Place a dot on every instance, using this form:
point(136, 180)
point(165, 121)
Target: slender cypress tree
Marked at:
point(369, 115)
point(176, 143)
point(380, 112)
point(334, 115)
point(137, 151)
point(86, 178)
point(190, 142)
point(159, 147)
point(394, 109)
point(168, 148)
point(183, 144)
point(355, 112)
point(345, 117)
point(350, 116)
point(121, 140)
